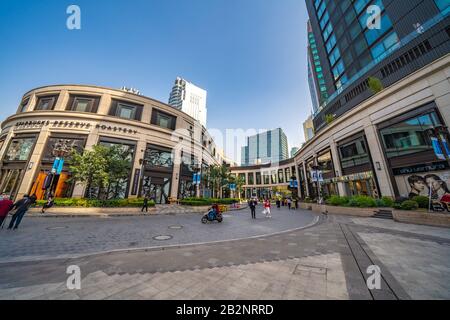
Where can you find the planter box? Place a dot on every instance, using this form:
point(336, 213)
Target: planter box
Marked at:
point(424, 218)
point(350, 211)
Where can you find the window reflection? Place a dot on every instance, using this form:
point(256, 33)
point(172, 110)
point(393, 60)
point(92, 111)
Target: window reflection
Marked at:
point(20, 149)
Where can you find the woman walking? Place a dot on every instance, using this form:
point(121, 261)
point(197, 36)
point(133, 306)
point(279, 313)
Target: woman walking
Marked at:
point(267, 208)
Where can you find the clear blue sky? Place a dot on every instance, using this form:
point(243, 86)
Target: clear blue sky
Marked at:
point(250, 55)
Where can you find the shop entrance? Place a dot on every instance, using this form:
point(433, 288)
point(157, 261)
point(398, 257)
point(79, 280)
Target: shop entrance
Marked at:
point(157, 189)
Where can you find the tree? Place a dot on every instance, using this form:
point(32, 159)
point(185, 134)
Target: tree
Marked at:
point(103, 170)
point(375, 85)
point(90, 168)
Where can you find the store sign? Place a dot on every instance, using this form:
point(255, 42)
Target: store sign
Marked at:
point(38, 124)
point(437, 148)
point(233, 187)
point(316, 176)
point(354, 177)
point(421, 168)
point(115, 129)
point(58, 165)
point(196, 178)
point(294, 183)
point(137, 174)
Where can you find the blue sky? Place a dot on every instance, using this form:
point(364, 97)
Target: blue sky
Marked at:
point(250, 55)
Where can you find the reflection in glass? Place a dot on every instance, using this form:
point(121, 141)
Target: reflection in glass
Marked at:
point(20, 149)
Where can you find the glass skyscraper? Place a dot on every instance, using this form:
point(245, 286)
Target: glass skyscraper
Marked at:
point(267, 147)
point(362, 42)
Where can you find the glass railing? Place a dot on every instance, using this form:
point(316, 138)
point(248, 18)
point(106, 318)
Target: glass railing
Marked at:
point(403, 42)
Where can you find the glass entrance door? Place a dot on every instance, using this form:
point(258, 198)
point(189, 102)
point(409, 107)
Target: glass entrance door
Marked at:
point(157, 189)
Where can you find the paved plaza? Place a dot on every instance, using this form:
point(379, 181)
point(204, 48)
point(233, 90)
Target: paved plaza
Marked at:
point(295, 255)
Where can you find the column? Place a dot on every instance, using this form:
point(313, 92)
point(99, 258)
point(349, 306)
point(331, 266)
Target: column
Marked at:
point(176, 174)
point(297, 174)
point(104, 104)
point(306, 179)
point(62, 100)
point(337, 166)
point(138, 158)
point(33, 164)
point(376, 151)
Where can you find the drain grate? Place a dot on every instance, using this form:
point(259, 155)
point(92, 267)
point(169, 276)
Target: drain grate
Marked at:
point(176, 227)
point(303, 269)
point(162, 237)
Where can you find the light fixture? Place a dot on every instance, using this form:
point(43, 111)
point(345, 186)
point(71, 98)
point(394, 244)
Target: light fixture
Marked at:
point(30, 166)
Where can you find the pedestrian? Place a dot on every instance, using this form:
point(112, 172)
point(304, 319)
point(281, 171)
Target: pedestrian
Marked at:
point(289, 203)
point(50, 203)
point(145, 206)
point(278, 202)
point(296, 203)
point(22, 207)
point(5, 207)
point(252, 204)
point(267, 208)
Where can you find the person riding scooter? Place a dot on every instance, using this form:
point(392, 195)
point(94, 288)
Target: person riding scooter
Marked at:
point(213, 214)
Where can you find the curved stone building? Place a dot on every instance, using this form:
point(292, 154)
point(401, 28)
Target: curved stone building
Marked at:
point(166, 145)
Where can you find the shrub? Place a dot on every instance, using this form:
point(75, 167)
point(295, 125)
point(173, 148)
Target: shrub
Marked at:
point(409, 205)
point(338, 201)
point(362, 202)
point(375, 85)
point(388, 202)
point(422, 201)
point(308, 200)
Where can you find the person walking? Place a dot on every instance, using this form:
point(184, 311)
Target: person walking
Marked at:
point(50, 203)
point(22, 207)
point(289, 203)
point(267, 208)
point(252, 205)
point(5, 207)
point(145, 206)
point(296, 203)
point(278, 202)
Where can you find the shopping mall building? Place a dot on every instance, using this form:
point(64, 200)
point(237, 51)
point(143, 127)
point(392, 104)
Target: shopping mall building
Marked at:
point(381, 100)
point(165, 146)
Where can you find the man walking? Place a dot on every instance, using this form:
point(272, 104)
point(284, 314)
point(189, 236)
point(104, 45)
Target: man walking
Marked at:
point(22, 207)
point(145, 206)
point(5, 206)
point(252, 205)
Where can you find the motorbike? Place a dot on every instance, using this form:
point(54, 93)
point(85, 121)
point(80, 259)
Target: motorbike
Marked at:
point(212, 216)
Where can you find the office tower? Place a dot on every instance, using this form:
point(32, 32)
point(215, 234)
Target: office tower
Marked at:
point(266, 147)
point(190, 99)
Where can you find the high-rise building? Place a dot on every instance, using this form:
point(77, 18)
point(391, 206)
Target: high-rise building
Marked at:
point(357, 47)
point(190, 99)
point(294, 151)
point(267, 147)
point(308, 128)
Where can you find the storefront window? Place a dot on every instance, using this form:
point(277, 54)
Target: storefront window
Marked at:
point(280, 176)
point(274, 177)
point(251, 178)
point(266, 177)
point(20, 149)
point(242, 177)
point(74, 144)
point(325, 163)
point(287, 174)
point(410, 136)
point(10, 180)
point(258, 177)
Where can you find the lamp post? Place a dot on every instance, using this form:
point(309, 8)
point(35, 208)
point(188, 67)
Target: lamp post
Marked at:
point(319, 193)
point(61, 149)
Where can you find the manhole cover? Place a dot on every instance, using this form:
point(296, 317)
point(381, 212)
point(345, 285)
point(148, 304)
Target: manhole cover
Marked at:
point(57, 228)
point(162, 238)
point(176, 227)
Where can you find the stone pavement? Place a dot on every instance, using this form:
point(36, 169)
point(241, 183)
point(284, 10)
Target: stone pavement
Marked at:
point(324, 261)
point(44, 238)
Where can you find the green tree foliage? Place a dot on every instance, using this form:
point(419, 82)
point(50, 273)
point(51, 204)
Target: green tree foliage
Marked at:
point(375, 85)
point(103, 169)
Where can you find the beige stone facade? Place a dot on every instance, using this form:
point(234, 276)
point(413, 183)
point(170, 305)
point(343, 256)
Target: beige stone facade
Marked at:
point(186, 136)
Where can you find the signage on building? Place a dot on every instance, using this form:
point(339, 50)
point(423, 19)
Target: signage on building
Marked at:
point(131, 90)
point(115, 129)
point(421, 168)
point(196, 178)
point(38, 124)
point(137, 174)
point(232, 186)
point(294, 183)
point(58, 165)
point(316, 176)
point(437, 148)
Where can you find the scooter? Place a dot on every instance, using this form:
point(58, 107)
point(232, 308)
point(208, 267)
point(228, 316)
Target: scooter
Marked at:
point(212, 216)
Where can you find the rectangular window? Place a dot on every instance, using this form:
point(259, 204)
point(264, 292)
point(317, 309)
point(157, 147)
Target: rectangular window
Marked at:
point(20, 149)
point(126, 110)
point(354, 153)
point(163, 119)
point(258, 178)
point(83, 104)
point(46, 102)
point(158, 157)
point(24, 105)
point(443, 5)
point(251, 178)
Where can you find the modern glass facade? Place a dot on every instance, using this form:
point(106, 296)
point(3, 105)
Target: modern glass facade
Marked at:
point(266, 147)
point(359, 39)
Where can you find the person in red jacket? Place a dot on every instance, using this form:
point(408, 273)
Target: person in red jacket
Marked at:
point(267, 208)
point(5, 207)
